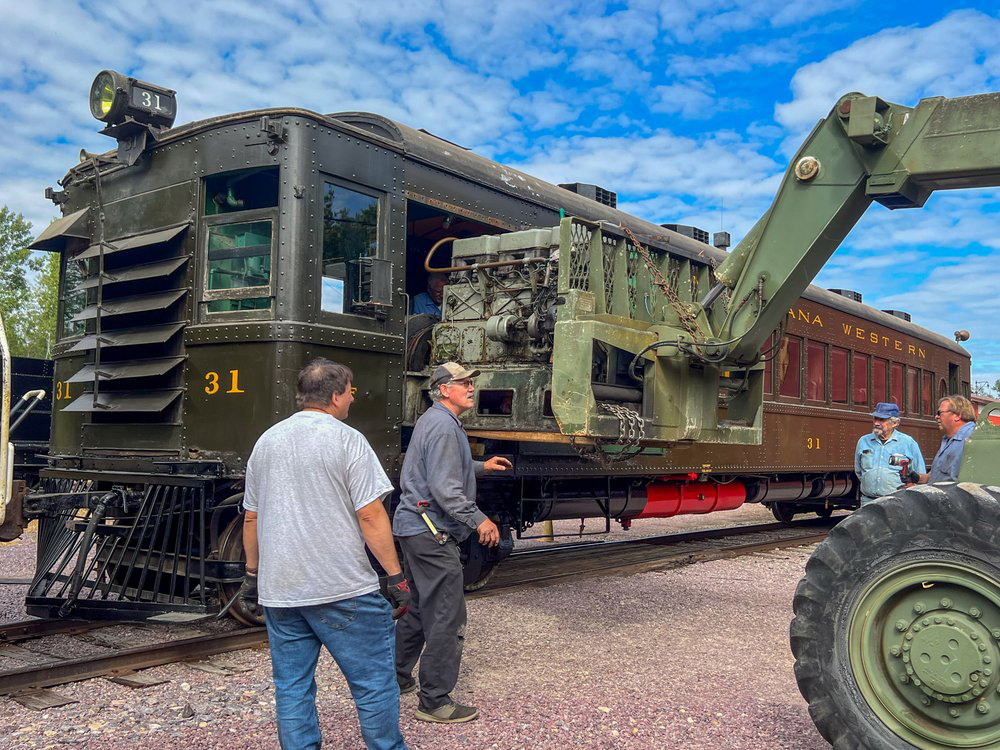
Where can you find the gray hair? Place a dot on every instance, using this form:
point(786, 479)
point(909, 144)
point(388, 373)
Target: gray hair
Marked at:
point(319, 380)
point(435, 393)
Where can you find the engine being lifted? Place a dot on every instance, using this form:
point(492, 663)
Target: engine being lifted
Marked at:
point(586, 335)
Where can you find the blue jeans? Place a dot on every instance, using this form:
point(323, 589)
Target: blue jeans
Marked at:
point(359, 634)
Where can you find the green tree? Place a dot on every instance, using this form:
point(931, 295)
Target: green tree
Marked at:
point(28, 288)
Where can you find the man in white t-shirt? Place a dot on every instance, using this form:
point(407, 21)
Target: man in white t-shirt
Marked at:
point(312, 501)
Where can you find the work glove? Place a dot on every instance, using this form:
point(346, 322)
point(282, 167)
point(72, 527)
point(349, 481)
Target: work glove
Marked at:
point(910, 477)
point(398, 589)
point(248, 593)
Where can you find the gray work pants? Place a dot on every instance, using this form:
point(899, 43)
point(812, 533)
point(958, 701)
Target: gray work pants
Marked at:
point(435, 622)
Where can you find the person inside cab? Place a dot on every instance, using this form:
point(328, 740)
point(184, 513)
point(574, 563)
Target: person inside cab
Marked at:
point(429, 302)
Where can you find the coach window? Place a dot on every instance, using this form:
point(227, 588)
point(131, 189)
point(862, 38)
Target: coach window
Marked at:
point(860, 379)
point(896, 383)
point(768, 361)
point(942, 388)
point(789, 365)
point(816, 371)
point(880, 372)
point(927, 391)
point(838, 375)
point(350, 245)
point(912, 390)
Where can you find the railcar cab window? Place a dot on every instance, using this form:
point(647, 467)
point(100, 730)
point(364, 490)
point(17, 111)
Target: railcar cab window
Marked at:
point(240, 211)
point(350, 247)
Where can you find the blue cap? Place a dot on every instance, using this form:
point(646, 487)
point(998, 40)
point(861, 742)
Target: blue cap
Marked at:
point(885, 411)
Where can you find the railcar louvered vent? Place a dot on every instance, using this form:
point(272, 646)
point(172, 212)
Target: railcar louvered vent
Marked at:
point(899, 314)
point(133, 318)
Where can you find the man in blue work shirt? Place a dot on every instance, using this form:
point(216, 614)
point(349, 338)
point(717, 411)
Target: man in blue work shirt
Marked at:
point(956, 419)
point(871, 459)
point(429, 302)
point(437, 511)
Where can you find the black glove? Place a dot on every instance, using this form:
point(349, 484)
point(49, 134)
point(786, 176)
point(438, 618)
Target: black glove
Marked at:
point(248, 593)
point(398, 589)
point(911, 477)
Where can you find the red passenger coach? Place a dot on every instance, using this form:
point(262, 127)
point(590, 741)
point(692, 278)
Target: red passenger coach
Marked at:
point(836, 359)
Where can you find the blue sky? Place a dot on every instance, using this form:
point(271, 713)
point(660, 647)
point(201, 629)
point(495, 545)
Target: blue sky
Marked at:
point(689, 110)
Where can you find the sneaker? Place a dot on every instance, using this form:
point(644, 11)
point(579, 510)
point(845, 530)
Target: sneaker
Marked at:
point(407, 687)
point(450, 713)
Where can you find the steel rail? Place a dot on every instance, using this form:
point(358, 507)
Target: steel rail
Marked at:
point(593, 566)
point(87, 667)
point(27, 629)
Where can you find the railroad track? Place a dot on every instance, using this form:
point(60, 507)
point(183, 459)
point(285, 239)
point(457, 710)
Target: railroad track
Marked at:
point(547, 566)
point(528, 568)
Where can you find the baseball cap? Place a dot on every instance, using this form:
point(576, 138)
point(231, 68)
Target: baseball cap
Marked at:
point(450, 371)
point(885, 411)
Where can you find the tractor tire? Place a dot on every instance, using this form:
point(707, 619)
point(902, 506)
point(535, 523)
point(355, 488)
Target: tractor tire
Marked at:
point(896, 633)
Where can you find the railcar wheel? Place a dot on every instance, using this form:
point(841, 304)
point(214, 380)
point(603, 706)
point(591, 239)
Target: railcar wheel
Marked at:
point(231, 548)
point(896, 634)
point(825, 512)
point(783, 512)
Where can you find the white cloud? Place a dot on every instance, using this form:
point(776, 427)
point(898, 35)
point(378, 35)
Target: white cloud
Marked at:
point(954, 57)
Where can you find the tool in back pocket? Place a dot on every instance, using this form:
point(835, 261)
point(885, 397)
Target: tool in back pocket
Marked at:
point(440, 536)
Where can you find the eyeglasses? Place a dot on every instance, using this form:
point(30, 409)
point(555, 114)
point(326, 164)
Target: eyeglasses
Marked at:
point(944, 411)
point(462, 383)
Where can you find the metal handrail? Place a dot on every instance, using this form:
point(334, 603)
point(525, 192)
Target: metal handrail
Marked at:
point(6, 451)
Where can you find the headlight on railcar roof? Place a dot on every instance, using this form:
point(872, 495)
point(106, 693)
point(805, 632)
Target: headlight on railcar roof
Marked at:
point(115, 98)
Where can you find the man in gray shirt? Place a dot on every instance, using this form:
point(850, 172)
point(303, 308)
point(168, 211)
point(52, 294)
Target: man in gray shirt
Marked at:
point(313, 500)
point(956, 419)
point(436, 512)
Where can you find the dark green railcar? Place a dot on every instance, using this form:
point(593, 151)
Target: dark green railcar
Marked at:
point(203, 265)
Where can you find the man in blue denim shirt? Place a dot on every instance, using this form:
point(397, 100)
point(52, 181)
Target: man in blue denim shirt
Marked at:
point(871, 458)
point(956, 419)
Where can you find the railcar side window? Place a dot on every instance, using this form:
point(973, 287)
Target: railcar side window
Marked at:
point(912, 390)
point(350, 235)
point(239, 266)
point(896, 383)
point(789, 367)
point(838, 375)
point(816, 371)
point(880, 371)
point(860, 391)
point(73, 302)
point(928, 390)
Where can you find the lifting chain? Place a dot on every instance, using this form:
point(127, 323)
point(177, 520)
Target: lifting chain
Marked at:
point(688, 319)
point(631, 432)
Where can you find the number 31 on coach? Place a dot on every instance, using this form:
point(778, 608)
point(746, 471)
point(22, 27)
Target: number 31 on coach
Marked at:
point(215, 384)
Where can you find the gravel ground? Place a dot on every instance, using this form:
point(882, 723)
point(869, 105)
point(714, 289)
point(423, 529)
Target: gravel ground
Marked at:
point(687, 659)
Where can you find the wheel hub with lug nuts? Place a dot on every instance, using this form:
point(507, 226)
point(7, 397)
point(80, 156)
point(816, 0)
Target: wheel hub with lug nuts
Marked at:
point(924, 641)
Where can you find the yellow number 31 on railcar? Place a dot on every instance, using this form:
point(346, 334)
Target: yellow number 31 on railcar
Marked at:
point(214, 387)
